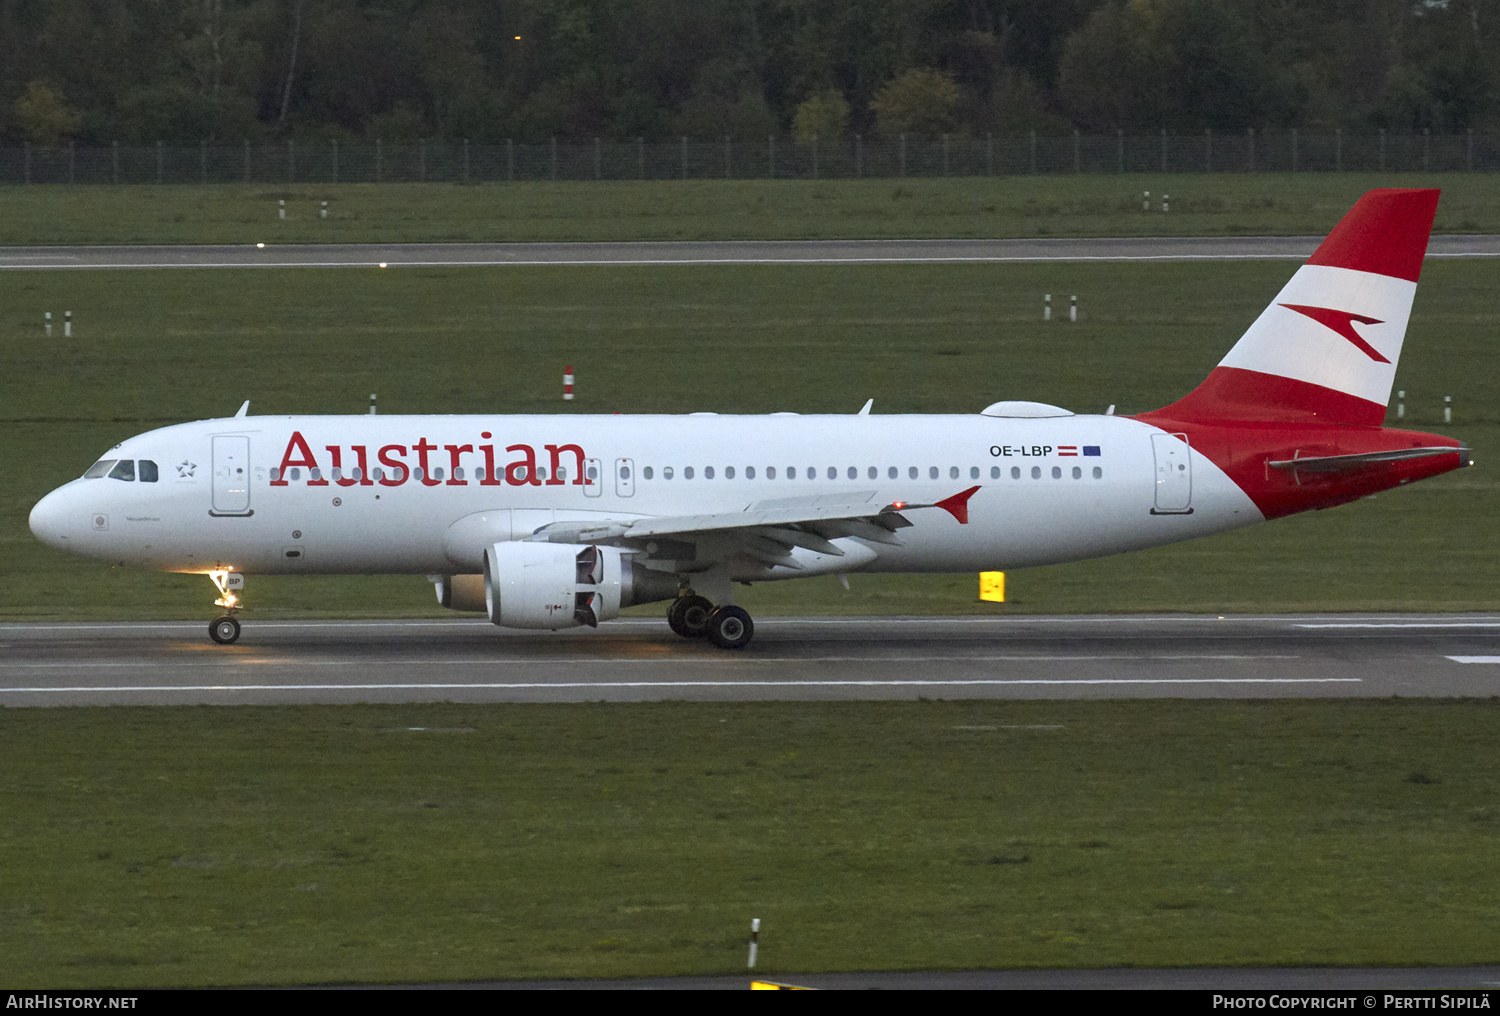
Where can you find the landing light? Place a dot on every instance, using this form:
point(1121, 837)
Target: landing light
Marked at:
point(260, 245)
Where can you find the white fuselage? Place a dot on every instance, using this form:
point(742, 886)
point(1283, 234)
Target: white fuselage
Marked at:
point(1050, 490)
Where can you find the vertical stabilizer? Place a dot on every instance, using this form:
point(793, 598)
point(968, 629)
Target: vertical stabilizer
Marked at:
point(1326, 348)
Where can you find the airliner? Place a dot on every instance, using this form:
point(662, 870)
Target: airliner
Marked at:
point(552, 522)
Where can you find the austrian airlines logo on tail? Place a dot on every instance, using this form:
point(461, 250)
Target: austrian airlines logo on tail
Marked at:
point(1287, 367)
point(1341, 321)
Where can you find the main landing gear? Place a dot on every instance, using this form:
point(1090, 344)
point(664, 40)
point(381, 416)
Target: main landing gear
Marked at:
point(693, 616)
point(225, 629)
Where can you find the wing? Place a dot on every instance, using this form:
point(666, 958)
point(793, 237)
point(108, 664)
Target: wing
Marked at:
point(767, 531)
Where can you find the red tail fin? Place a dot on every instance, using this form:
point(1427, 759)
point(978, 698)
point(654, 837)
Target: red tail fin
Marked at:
point(1326, 348)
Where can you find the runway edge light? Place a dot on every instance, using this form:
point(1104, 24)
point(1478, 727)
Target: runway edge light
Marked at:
point(992, 586)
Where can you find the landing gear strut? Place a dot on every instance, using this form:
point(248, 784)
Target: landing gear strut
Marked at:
point(693, 616)
point(225, 629)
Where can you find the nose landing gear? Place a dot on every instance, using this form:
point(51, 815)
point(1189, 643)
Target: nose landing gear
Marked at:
point(225, 629)
point(693, 616)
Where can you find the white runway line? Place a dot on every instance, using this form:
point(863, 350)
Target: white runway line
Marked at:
point(1407, 624)
point(511, 661)
point(540, 685)
point(1475, 659)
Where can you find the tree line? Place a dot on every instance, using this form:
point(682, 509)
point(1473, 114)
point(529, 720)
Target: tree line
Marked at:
point(188, 71)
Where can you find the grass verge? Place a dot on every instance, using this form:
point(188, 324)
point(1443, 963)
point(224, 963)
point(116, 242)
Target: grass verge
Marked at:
point(1103, 205)
point(448, 842)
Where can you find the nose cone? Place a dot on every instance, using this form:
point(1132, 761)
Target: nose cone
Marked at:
point(49, 519)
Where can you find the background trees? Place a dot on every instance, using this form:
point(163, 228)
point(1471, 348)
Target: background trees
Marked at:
point(190, 70)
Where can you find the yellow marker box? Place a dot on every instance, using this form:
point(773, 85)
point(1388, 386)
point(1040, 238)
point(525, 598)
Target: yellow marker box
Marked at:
point(992, 586)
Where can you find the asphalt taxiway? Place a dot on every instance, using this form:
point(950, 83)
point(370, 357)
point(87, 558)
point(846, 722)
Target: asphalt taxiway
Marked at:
point(797, 659)
point(369, 255)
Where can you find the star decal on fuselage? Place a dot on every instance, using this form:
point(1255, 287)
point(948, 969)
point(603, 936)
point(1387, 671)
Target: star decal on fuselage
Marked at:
point(1342, 322)
point(186, 468)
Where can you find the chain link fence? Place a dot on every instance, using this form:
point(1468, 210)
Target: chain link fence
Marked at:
point(948, 155)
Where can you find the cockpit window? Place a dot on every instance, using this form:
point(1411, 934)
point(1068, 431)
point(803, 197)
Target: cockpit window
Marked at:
point(124, 470)
point(148, 471)
point(100, 468)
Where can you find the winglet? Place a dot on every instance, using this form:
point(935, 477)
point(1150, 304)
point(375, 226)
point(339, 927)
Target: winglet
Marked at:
point(866, 410)
point(958, 505)
point(244, 410)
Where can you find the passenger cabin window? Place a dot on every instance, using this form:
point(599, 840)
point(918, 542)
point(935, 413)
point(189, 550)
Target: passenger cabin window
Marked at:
point(750, 473)
point(647, 472)
point(148, 471)
point(666, 472)
point(124, 470)
point(994, 472)
point(729, 473)
point(100, 469)
point(687, 472)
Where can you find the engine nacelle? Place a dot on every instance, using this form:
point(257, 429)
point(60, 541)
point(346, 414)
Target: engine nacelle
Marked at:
point(562, 585)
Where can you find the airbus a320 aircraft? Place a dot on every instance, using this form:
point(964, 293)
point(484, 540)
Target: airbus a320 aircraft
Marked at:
point(558, 521)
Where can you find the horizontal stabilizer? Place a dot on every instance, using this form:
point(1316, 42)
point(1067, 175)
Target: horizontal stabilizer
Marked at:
point(1364, 460)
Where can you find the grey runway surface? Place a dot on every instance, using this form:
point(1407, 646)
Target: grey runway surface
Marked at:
point(367, 255)
point(791, 659)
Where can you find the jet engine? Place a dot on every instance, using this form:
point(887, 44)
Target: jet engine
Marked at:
point(560, 585)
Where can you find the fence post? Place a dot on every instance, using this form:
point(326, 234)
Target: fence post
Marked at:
point(335, 160)
point(1338, 149)
point(815, 156)
point(640, 157)
point(1208, 149)
point(71, 162)
point(1120, 148)
point(291, 161)
point(1077, 153)
point(510, 159)
point(945, 155)
point(771, 155)
point(422, 160)
point(989, 153)
point(1033, 153)
point(1471, 150)
point(466, 159)
point(1382, 149)
point(553, 156)
point(114, 160)
point(203, 162)
point(859, 156)
point(726, 156)
point(684, 157)
point(26, 161)
point(598, 161)
point(1294, 149)
point(158, 162)
point(247, 160)
point(903, 155)
point(378, 158)
point(1426, 147)
point(1250, 153)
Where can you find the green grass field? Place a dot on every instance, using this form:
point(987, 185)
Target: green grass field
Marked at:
point(337, 844)
point(1103, 205)
point(155, 347)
